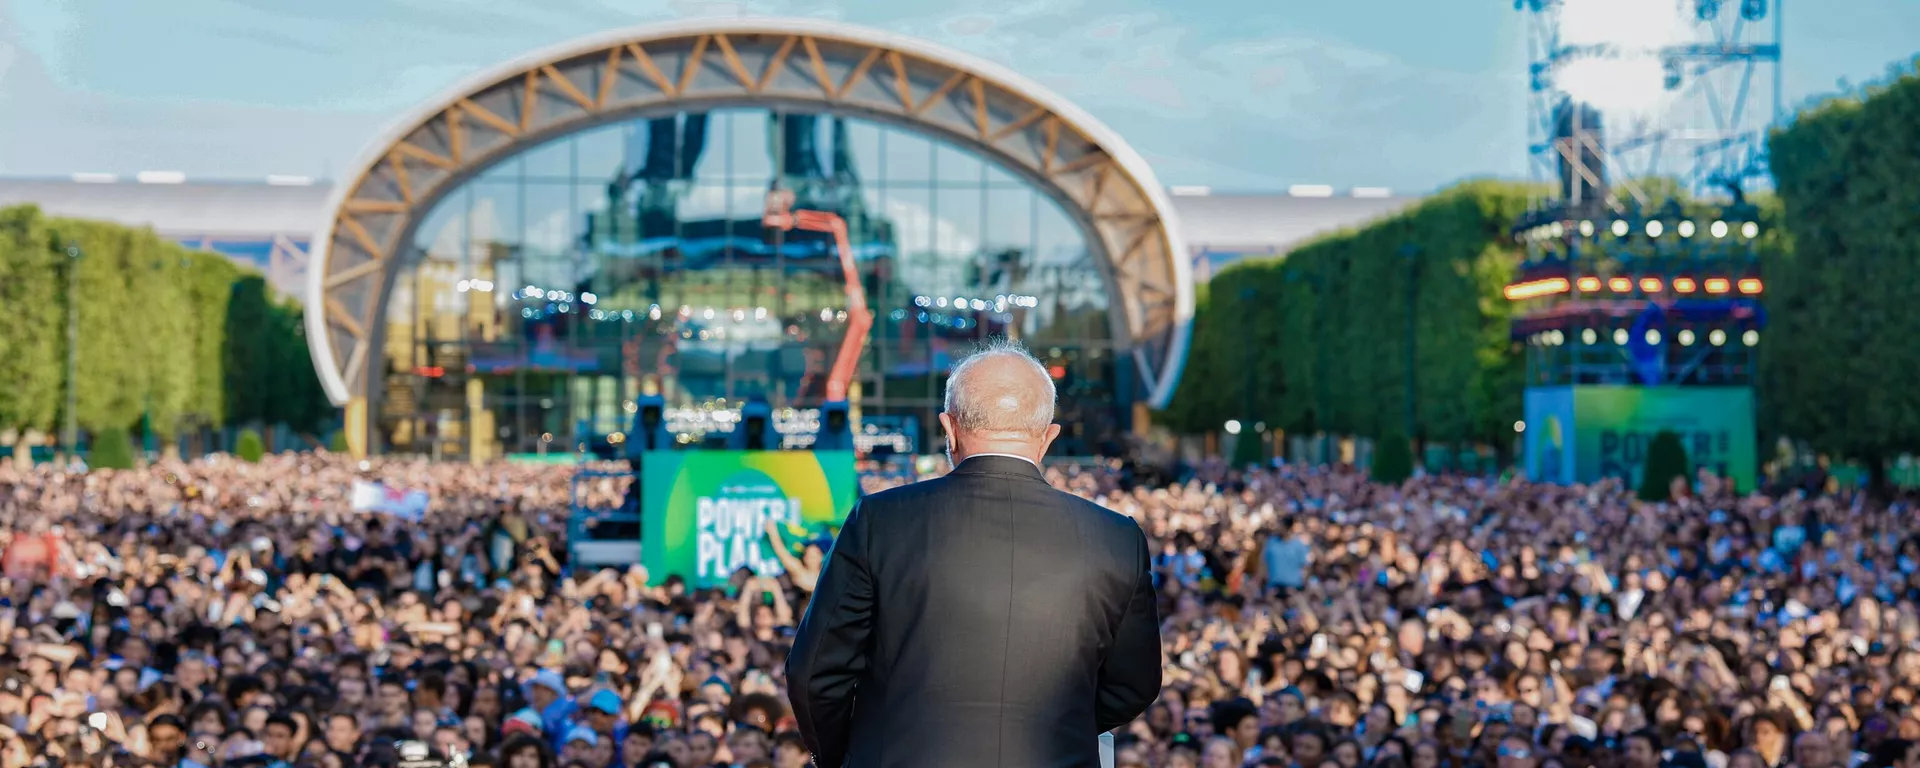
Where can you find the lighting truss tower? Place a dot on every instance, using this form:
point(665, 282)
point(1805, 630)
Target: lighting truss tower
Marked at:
point(1638, 301)
point(1624, 93)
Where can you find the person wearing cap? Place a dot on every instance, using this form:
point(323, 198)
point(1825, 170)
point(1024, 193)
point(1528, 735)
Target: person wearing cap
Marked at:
point(581, 744)
point(548, 694)
point(603, 716)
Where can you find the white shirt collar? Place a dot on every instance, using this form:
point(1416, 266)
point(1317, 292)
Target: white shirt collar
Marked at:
point(1036, 465)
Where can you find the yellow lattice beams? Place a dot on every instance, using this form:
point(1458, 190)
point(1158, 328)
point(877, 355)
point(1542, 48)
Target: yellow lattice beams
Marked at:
point(434, 159)
point(776, 62)
point(692, 67)
point(607, 77)
point(487, 116)
point(456, 134)
point(400, 178)
point(1081, 163)
point(977, 88)
point(651, 70)
point(353, 273)
point(528, 93)
point(1018, 125)
point(567, 88)
point(338, 313)
point(734, 63)
point(859, 71)
point(1053, 145)
point(819, 66)
point(377, 206)
point(366, 240)
point(900, 82)
point(939, 93)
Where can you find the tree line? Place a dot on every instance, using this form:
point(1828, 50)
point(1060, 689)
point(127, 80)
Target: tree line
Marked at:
point(1321, 339)
point(1318, 339)
point(1840, 360)
point(171, 340)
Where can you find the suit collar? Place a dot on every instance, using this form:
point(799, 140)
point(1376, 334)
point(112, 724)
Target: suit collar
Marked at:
point(998, 464)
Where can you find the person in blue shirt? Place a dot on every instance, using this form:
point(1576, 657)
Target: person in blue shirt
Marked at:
point(1286, 558)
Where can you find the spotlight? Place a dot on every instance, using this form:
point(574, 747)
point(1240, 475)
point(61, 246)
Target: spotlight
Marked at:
point(1233, 426)
point(1589, 284)
point(1620, 228)
point(1685, 229)
point(1653, 336)
point(1750, 285)
point(1589, 337)
point(1620, 285)
point(1519, 426)
point(1684, 285)
point(1717, 285)
point(1686, 338)
point(1620, 336)
point(1749, 230)
point(1750, 338)
point(1717, 229)
point(1706, 10)
point(1654, 228)
point(1717, 337)
point(1650, 285)
point(1753, 10)
point(1586, 228)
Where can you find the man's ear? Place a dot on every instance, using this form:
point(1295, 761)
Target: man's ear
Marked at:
point(1046, 443)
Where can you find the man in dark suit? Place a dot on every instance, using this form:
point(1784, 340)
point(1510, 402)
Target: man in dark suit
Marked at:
point(982, 618)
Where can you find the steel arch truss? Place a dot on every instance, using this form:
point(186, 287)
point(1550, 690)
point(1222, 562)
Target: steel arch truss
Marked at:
point(925, 89)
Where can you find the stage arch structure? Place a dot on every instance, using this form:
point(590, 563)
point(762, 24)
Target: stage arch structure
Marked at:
point(801, 65)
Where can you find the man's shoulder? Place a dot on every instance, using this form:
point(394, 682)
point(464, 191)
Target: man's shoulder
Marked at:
point(917, 496)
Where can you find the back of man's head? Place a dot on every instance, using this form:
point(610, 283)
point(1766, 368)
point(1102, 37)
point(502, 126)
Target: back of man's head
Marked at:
point(1000, 400)
point(1000, 388)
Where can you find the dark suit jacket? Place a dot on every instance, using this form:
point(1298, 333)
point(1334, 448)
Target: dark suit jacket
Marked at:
point(979, 619)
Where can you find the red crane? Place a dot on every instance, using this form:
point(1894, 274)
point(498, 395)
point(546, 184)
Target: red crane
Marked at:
point(859, 318)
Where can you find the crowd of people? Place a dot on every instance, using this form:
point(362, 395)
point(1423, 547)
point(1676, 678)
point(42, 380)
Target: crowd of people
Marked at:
point(224, 614)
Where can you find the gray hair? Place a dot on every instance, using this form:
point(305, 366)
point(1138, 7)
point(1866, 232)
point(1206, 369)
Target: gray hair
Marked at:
point(979, 403)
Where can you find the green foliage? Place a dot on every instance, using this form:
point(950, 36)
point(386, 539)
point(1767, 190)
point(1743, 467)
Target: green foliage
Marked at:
point(1325, 328)
point(32, 327)
point(249, 447)
point(337, 443)
point(160, 336)
point(269, 376)
point(111, 449)
point(1666, 460)
point(1392, 460)
point(1838, 369)
point(1249, 447)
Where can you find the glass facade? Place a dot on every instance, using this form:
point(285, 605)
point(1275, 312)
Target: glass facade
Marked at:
point(542, 298)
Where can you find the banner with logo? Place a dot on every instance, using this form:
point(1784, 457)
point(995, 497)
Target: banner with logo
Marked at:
point(704, 513)
point(1578, 434)
point(398, 502)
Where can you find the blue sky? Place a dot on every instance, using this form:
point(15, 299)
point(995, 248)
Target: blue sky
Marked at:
point(1233, 94)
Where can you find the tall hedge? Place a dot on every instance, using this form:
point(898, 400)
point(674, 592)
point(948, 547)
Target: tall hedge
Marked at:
point(159, 343)
point(1348, 291)
point(32, 322)
point(1837, 363)
point(1666, 460)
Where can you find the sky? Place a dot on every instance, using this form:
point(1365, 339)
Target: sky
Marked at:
point(1237, 95)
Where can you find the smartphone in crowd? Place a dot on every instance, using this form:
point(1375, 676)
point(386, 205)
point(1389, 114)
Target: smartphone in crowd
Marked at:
point(1414, 681)
point(1319, 646)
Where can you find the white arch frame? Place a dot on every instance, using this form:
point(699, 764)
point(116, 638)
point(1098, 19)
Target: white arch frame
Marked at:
point(1025, 126)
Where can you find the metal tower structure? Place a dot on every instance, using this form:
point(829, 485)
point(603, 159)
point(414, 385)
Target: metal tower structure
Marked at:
point(1623, 92)
point(1639, 298)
